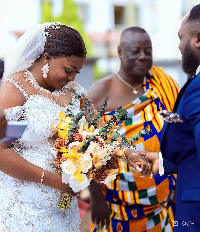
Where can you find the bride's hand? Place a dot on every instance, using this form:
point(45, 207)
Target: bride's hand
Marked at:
point(55, 180)
point(143, 161)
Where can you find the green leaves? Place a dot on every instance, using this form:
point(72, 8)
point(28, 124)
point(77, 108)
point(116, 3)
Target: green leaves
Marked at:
point(121, 114)
point(86, 144)
point(109, 129)
point(131, 142)
point(115, 136)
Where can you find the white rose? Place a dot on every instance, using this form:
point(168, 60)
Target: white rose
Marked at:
point(86, 162)
point(93, 148)
point(69, 167)
point(78, 186)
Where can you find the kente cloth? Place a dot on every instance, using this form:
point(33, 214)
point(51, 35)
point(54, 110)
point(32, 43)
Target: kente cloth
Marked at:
point(138, 203)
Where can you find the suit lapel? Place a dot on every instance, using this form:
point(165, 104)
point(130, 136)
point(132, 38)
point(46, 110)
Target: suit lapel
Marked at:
point(166, 124)
point(181, 93)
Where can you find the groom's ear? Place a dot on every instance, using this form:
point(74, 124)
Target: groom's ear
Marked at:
point(197, 39)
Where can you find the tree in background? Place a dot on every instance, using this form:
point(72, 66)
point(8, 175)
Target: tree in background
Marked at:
point(68, 16)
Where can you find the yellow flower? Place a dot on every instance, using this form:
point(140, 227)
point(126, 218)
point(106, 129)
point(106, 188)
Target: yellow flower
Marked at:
point(89, 129)
point(65, 152)
point(63, 126)
point(66, 155)
point(71, 154)
point(63, 117)
point(77, 175)
point(75, 155)
point(64, 149)
point(63, 134)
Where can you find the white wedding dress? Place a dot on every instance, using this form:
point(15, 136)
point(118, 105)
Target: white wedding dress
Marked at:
point(27, 206)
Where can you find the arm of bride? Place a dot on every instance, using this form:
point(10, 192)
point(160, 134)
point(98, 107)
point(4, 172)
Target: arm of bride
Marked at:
point(16, 166)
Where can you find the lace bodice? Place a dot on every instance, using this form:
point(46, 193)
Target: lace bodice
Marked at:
point(41, 107)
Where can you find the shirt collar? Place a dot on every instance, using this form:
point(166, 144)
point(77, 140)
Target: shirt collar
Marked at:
point(198, 70)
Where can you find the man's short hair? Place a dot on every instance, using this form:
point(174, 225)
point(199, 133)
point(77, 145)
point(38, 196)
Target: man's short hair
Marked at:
point(134, 29)
point(194, 14)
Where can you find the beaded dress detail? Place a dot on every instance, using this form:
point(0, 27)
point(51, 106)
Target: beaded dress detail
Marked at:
point(27, 206)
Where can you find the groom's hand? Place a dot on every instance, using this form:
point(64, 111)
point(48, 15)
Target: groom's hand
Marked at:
point(143, 161)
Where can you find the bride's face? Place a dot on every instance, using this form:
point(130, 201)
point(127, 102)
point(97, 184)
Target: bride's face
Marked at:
point(63, 70)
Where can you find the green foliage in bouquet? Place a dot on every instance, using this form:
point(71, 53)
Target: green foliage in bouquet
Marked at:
point(113, 124)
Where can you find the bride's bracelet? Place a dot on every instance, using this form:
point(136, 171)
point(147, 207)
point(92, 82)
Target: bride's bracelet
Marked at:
point(42, 178)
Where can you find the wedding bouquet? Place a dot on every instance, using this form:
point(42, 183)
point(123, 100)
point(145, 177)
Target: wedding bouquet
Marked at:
point(86, 150)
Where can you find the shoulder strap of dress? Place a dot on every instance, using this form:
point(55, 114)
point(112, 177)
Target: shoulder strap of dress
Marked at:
point(78, 89)
point(17, 81)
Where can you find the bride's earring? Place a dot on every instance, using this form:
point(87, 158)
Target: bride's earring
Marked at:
point(45, 70)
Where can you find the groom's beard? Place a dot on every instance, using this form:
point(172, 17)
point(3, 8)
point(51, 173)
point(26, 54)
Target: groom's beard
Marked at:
point(190, 61)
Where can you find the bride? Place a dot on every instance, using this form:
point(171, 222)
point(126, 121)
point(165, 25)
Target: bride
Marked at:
point(37, 85)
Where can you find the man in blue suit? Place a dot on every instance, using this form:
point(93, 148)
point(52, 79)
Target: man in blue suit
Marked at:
point(180, 144)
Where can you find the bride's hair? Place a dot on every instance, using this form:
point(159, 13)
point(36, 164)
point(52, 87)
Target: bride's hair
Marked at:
point(56, 39)
point(63, 41)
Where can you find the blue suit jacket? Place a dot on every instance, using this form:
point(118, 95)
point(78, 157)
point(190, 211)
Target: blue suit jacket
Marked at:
point(180, 144)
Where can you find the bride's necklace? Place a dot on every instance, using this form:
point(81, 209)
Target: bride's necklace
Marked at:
point(130, 86)
point(29, 77)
